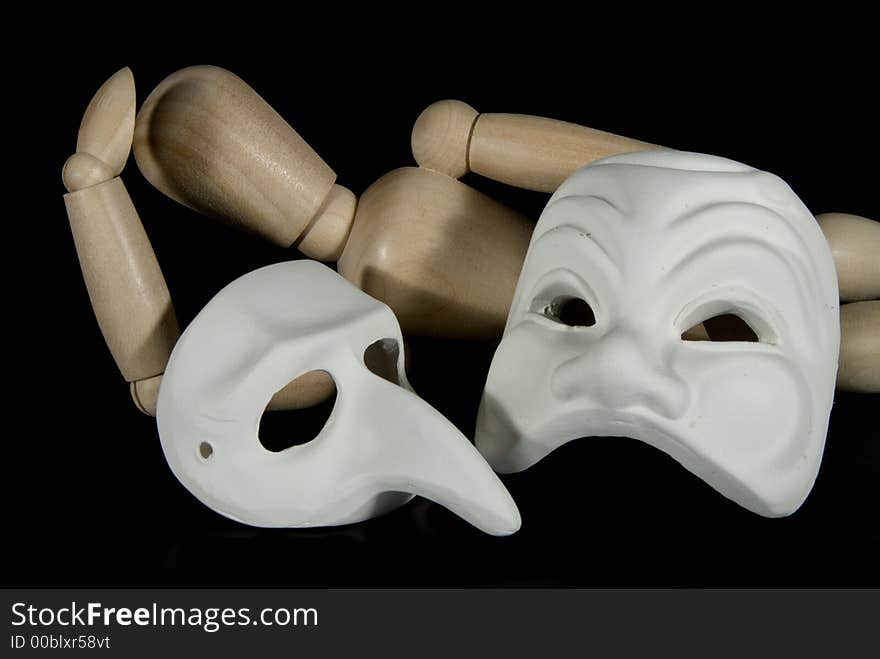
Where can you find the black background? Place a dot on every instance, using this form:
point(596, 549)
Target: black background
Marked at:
point(92, 501)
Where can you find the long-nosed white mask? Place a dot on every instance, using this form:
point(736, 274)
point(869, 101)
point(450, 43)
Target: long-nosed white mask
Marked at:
point(381, 444)
point(655, 243)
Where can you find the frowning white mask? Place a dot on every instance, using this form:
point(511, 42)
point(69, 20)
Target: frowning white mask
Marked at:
point(381, 444)
point(656, 243)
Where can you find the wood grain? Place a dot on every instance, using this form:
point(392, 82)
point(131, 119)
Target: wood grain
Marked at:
point(206, 139)
point(108, 123)
point(442, 255)
point(859, 368)
point(855, 245)
point(123, 278)
point(537, 153)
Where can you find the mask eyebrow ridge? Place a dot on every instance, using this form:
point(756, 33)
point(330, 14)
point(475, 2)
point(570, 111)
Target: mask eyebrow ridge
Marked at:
point(694, 215)
point(586, 199)
point(581, 232)
point(586, 204)
point(805, 286)
point(782, 226)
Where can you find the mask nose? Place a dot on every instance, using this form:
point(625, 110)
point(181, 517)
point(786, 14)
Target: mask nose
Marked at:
point(619, 370)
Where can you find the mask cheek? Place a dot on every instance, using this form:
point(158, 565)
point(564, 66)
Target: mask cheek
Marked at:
point(751, 427)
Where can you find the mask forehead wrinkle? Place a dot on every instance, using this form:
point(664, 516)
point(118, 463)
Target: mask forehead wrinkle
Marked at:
point(736, 217)
point(668, 206)
point(763, 234)
point(602, 182)
point(730, 217)
point(593, 217)
point(666, 159)
point(750, 198)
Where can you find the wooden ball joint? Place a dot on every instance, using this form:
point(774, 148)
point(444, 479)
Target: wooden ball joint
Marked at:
point(443, 256)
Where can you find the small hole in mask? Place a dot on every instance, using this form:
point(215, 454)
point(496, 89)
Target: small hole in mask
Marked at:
point(724, 327)
point(381, 358)
point(314, 394)
point(571, 311)
point(206, 450)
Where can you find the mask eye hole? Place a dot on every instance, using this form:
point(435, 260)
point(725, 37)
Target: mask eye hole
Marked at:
point(381, 358)
point(723, 327)
point(571, 311)
point(282, 429)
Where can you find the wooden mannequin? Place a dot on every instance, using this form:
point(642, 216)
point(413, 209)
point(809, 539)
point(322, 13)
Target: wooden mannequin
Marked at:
point(442, 255)
point(123, 278)
point(539, 154)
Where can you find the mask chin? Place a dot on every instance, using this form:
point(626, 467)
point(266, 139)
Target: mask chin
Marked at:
point(655, 243)
point(381, 444)
point(510, 447)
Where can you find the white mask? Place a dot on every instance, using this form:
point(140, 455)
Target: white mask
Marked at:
point(381, 444)
point(655, 243)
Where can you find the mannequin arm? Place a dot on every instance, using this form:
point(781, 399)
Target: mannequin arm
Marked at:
point(125, 283)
